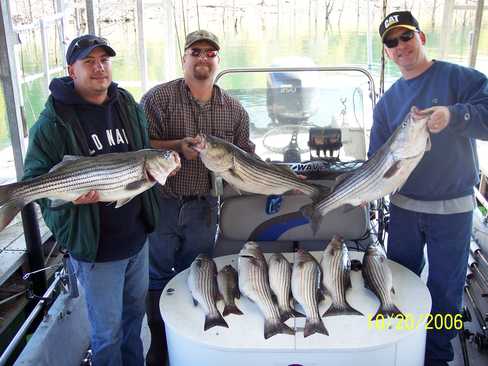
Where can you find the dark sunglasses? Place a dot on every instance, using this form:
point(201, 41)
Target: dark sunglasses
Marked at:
point(404, 37)
point(88, 42)
point(210, 53)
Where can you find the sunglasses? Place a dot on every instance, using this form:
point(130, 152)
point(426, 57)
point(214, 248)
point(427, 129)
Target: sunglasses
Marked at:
point(404, 37)
point(85, 43)
point(208, 52)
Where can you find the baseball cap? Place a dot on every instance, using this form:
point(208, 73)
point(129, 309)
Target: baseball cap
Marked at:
point(397, 19)
point(82, 46)
point(201, 35)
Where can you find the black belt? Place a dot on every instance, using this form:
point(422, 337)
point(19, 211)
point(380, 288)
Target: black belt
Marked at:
point(190, 198)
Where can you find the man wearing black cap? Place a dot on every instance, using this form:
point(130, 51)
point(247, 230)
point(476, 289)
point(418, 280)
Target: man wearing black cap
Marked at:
point(87, 114)
point(177, 111)
point(434, 207)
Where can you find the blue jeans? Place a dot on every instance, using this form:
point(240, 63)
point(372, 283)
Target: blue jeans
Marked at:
point(447, 238)
point(185, 230)
point(115, 295)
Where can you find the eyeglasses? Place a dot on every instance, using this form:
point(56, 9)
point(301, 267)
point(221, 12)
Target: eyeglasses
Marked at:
point(88, 42)
point(208, 52)
point(404, 37)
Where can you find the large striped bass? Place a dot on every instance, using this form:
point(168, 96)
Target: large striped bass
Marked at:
point(117, 177)
point(336, 269)
point(378, 278)
point(248, 173)
point(385, 173)
point(306, 287)
point(254, 283)
point(202, 282)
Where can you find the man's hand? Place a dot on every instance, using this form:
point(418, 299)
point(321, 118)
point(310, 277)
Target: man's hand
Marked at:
point(87, 198)
point(439, 117)
point(185, 147)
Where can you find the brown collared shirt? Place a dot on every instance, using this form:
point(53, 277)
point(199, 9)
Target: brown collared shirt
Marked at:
point(173, 114)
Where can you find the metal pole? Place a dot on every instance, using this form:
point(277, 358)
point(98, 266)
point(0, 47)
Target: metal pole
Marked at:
point(476, 36)
point(45, 55)
point(62, 29)
point(90, 16)
point(142, 48)
point(369, 41)
point(8, 76)
point(447, 17)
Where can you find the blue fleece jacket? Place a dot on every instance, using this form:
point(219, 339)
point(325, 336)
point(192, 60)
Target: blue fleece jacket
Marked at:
point(450, 169)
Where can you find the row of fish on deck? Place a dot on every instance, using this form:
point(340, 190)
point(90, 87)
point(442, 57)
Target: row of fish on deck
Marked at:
point(275, 285)
point(121, 176)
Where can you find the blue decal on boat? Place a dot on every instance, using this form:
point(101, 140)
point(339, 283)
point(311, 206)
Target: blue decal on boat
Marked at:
point(272, 229)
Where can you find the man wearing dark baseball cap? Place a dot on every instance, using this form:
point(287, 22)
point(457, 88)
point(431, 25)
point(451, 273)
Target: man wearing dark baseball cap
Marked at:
point(87, 114)
point(82, 46)
point(434, 208)
point(177, 111)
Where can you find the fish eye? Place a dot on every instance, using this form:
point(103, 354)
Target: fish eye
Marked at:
point(404, 124)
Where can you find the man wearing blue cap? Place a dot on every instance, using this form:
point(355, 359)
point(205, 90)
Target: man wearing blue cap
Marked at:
point(434, 207)
point(88, 114)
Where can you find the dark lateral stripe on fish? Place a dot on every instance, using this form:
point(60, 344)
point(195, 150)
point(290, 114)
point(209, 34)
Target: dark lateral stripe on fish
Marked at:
point(264, 173)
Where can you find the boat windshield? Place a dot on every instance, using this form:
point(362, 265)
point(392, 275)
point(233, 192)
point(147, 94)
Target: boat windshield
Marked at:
point(300, 114)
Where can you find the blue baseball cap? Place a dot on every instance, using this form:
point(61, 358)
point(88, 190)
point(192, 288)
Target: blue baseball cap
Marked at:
point(82, 46)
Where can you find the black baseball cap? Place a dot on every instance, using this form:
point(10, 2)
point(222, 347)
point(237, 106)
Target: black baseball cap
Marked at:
point(81, 47)
point(398, 19)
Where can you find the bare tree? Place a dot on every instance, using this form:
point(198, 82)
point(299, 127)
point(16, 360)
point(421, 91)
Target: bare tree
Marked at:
point(329, 6)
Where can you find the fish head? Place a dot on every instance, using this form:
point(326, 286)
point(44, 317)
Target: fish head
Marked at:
point(161, 163)
point(335, 245)
point(411, 136)
point(253, 253)
point(376, 250)
point(215, 153)
point(302, 256)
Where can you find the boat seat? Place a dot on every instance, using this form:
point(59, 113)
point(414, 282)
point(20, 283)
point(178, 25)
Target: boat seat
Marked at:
point(244, 218)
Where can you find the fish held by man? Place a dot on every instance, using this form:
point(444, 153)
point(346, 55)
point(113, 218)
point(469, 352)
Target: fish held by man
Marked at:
point(378, 278)
point(117, 177)
point(246, 172)
point(336, 269)
point(384, 173)
point(229, 289)
point(306, 287)
point(202, 282)
point(254, 283)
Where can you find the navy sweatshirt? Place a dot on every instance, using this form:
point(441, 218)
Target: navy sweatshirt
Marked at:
point(122, 230)
point(450, 169)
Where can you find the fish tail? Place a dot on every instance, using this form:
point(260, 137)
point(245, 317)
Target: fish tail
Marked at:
point(273, 327)
point(214, 320)
point(390, 311)
point(313, 216)
point(314, 326)
point(231, 309)
point(345, 309)
point(9, 206)
point(286, 314)
point(319, 192)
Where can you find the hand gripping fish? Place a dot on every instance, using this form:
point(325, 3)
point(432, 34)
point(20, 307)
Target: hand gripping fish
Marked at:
point(117, 177)
point(384, 173)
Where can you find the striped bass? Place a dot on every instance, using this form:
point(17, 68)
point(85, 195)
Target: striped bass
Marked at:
point(378, 278)
point(117, 177)
point(280, 283)
point(254, 283)
point(306, 287)
point(385, 173)
point(246, 172)
point(228, 288)
point(202, 282)
point(336, 268)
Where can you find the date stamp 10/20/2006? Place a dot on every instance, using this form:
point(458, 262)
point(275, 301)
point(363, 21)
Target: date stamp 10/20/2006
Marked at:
point(409, 321)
